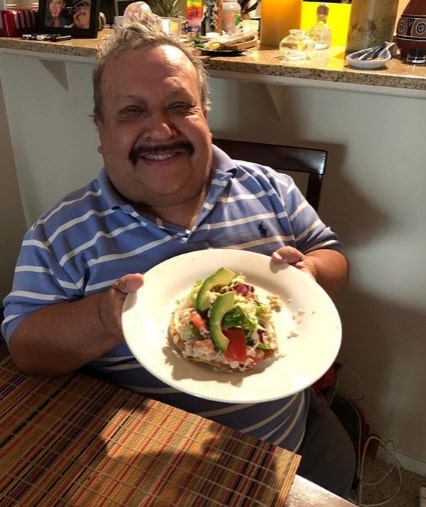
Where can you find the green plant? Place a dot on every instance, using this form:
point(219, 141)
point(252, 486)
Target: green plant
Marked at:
point(166, 8)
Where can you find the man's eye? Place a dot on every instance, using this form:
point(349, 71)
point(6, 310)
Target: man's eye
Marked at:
point(180, 108)
point(130, 112)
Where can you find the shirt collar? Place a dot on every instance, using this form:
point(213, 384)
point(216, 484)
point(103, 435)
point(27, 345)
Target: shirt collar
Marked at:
point(109, 192)
point(222, 162)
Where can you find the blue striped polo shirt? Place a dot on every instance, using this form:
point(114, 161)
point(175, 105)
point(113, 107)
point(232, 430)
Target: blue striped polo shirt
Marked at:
point(82, 244)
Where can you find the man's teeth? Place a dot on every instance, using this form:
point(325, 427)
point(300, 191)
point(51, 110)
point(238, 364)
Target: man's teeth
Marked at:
point(158, 156)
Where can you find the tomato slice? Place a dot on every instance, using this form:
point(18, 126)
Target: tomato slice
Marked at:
point(237, 347)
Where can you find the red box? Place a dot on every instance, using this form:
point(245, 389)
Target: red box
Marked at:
point(15, 22)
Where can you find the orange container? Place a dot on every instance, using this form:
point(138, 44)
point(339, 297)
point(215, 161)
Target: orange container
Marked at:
point(277, 18)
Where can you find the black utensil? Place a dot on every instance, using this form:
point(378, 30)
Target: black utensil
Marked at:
point(374, 52)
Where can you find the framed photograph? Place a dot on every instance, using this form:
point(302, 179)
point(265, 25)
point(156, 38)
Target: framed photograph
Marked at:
point(78, 18)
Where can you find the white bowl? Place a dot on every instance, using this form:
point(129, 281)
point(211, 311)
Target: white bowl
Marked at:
point(353, 59)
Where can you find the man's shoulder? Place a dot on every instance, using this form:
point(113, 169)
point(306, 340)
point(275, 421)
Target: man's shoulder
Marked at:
point(73, 206)
point(226, 167)
point(251, 175)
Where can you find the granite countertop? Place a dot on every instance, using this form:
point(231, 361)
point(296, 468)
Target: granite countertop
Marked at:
point(326, 66)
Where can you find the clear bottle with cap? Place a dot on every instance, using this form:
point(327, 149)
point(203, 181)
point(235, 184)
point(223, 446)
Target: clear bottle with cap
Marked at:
point(320, 33)
point(231, 16)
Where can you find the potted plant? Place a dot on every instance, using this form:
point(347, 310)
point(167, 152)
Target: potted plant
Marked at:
point(170, 14)
point(166, 8)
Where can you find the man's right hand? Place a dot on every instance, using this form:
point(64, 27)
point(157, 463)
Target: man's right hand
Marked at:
point(111, 304)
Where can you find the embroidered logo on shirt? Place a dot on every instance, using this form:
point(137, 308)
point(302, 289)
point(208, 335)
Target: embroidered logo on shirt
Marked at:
point(262, 230)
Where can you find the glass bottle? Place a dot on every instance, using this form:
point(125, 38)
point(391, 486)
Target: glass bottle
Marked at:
point(231, 16)
point(371, 23)
point(320, 33)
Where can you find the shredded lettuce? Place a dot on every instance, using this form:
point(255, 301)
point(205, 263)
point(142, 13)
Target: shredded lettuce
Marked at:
point(237, 317)
point(194, 290)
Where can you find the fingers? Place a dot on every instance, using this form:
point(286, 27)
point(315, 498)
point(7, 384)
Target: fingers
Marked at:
point(128, 283)
point(111, 302)
point(288, 255)
point(294, 257)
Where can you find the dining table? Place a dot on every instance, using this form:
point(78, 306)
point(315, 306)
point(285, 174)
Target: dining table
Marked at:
point(76, 440)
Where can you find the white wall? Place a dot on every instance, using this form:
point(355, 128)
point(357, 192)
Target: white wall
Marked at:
point(53, 137)
point(12, 222)
point(373, 196)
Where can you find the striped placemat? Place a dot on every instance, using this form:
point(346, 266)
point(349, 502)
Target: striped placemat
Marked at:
point(78, 441)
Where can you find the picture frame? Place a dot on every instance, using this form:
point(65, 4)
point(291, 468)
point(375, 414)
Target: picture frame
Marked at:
point(78, 18)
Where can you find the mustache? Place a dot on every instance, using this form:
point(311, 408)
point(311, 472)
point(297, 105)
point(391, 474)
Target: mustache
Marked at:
point(140, 151)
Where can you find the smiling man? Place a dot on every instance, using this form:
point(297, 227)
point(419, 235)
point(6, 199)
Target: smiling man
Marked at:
point(80, 12)
point(154, 134)
point(166, 190)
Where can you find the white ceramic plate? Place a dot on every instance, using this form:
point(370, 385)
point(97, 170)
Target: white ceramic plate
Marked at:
point(308, 327)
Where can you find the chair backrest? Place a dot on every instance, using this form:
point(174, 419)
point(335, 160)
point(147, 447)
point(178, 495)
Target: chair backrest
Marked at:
point(286, 159)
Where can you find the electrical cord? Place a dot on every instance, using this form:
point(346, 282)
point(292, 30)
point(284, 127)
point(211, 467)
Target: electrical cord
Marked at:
point(362, 452)
point(395, 465)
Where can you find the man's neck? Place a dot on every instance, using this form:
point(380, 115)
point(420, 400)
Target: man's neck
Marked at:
point(183, 215)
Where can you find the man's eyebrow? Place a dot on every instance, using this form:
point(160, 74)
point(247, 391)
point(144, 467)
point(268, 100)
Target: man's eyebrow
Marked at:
point(132, 96)
point(140, 98)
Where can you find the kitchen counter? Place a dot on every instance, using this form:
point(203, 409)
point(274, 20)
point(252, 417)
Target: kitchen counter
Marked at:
point(327, 68)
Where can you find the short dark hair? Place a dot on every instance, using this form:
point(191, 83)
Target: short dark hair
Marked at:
point(80, 2)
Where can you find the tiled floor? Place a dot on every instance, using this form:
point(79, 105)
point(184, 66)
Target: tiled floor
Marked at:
point(386, 487)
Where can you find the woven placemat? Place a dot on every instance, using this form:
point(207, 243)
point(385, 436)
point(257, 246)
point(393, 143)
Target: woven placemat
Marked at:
point(78, 441)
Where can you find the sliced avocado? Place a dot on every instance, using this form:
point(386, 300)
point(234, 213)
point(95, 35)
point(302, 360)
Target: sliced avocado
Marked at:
point(222, 276)
point(222, 304)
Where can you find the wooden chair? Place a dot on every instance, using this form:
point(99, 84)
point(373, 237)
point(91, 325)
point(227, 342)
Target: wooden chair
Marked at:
point(287, 159)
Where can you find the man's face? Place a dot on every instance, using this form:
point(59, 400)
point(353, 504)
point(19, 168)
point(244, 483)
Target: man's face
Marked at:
point(81, 15)
point(154, 136)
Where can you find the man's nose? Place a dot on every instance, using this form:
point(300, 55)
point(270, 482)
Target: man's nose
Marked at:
point(159, 126)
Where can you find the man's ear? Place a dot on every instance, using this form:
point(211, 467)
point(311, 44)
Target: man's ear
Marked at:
point(98, 125)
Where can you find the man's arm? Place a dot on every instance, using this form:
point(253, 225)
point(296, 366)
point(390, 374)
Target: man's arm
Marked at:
point(63, 337)
point(330, 268)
